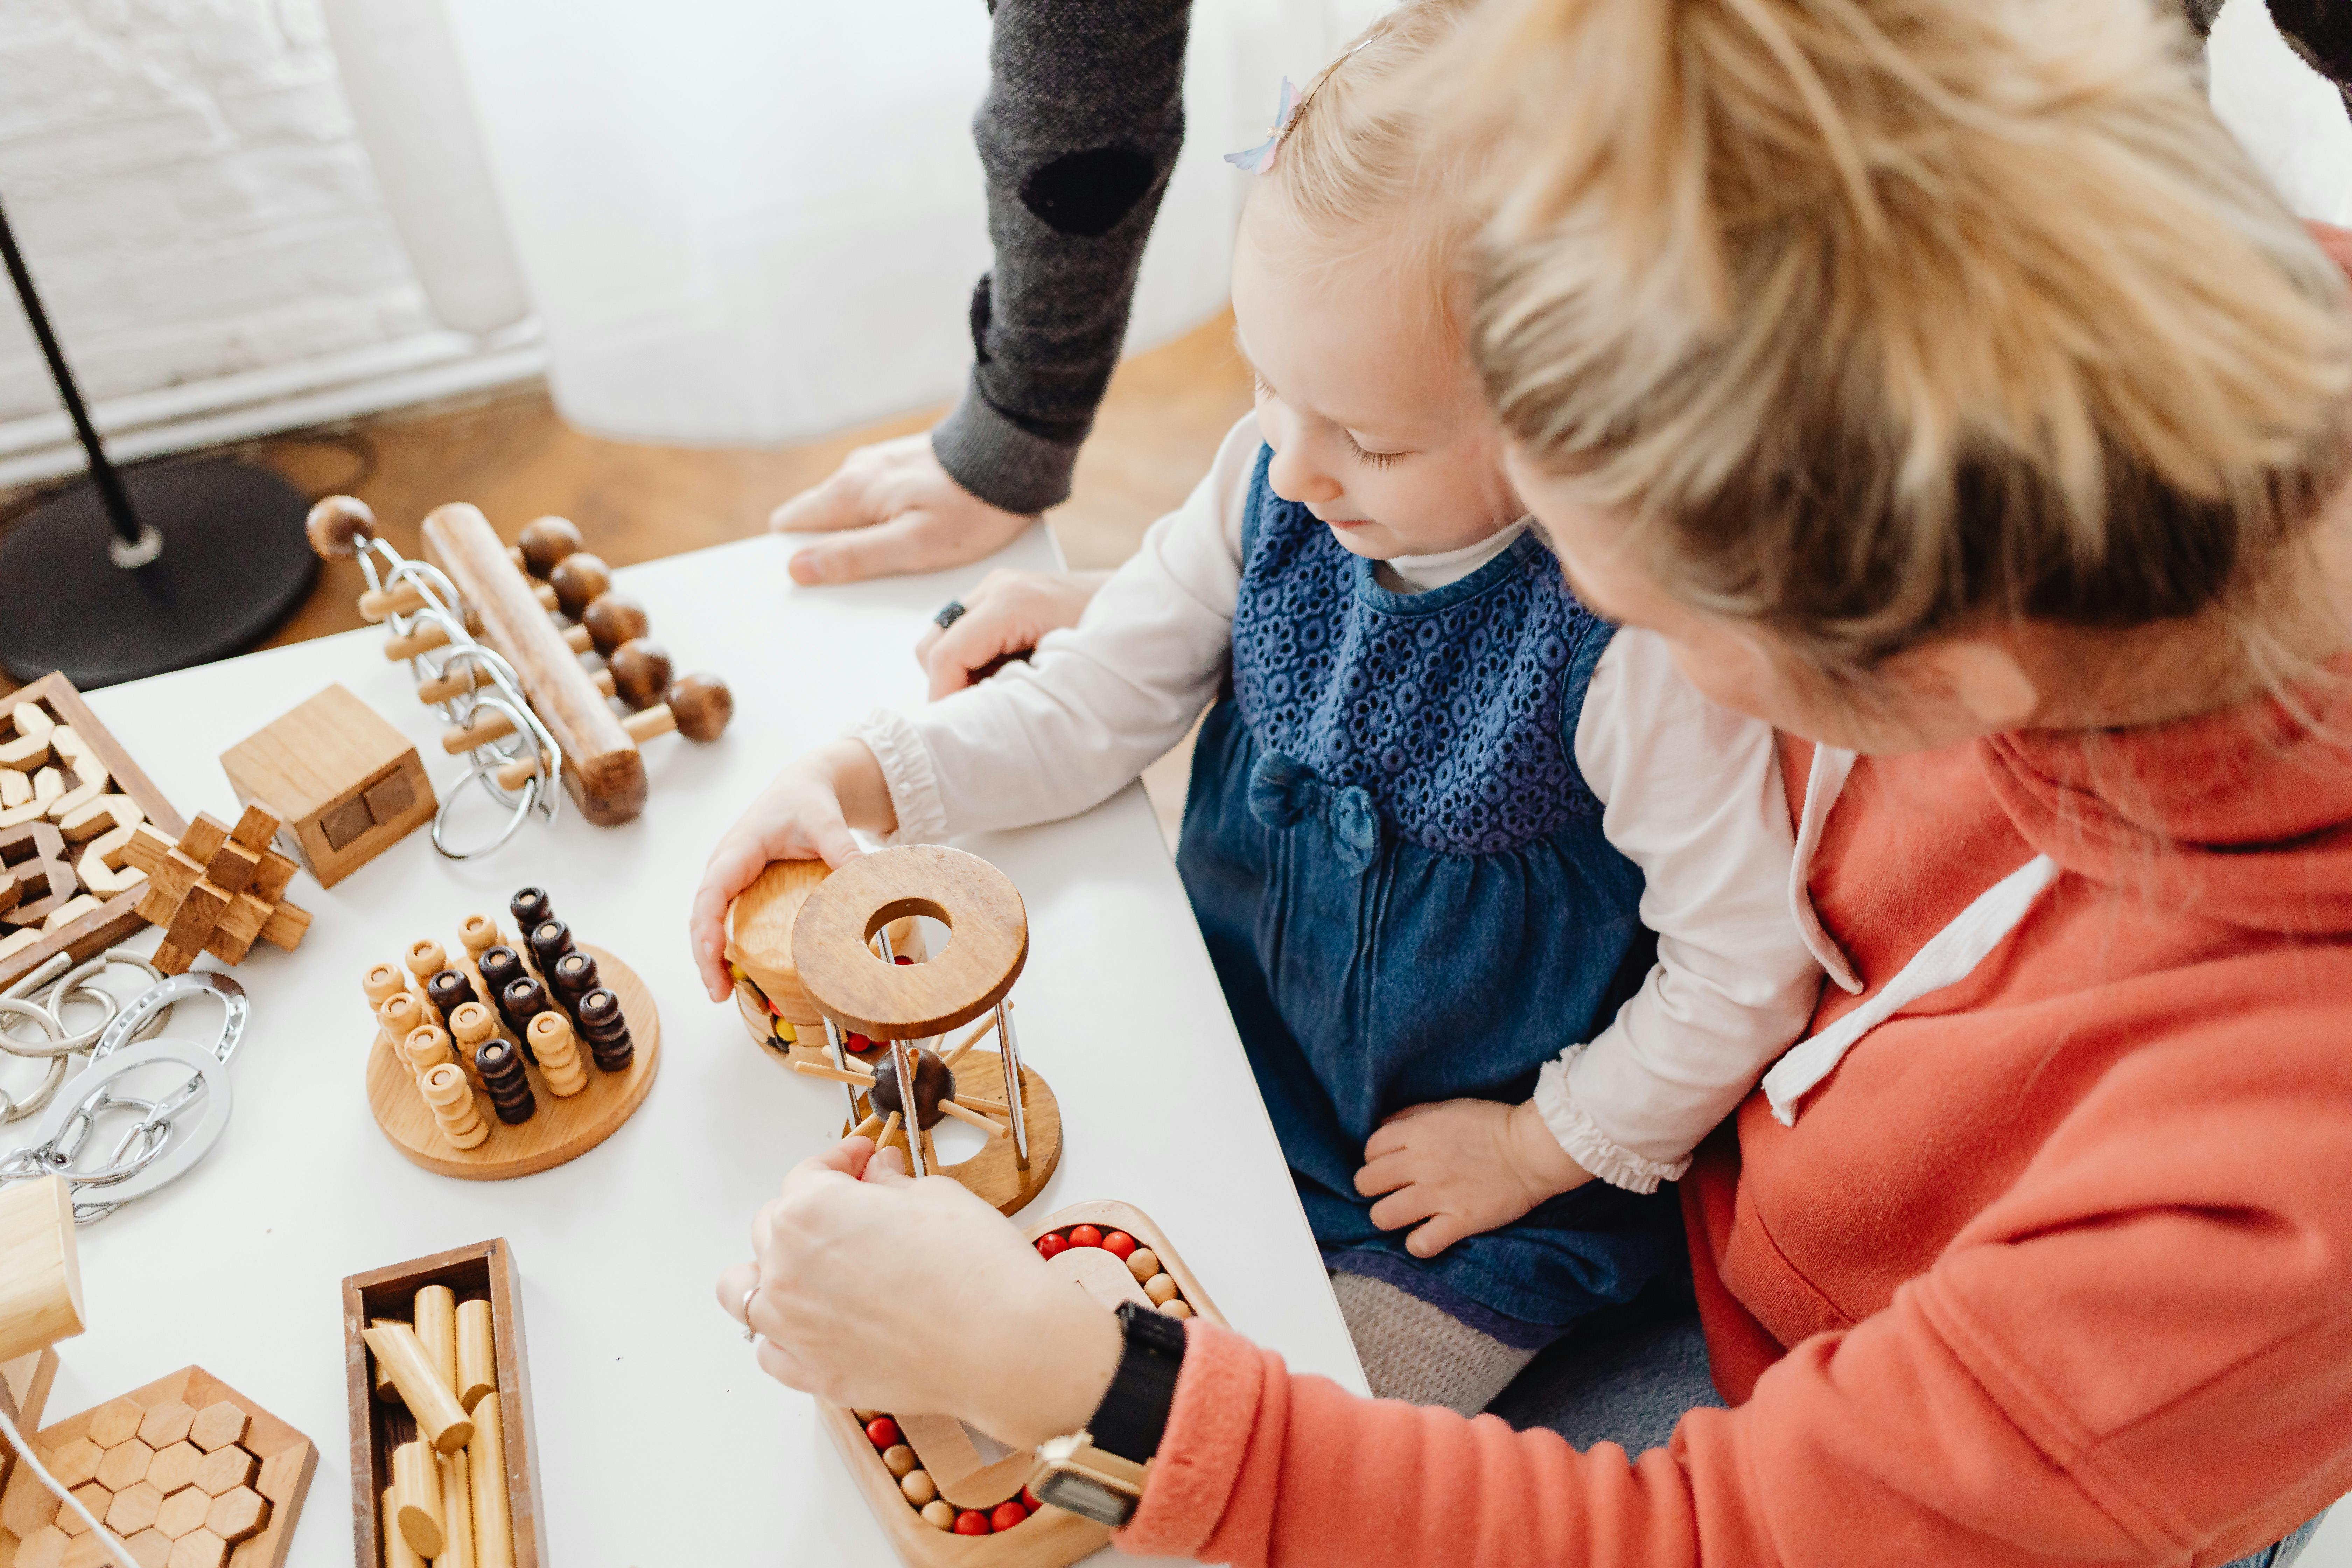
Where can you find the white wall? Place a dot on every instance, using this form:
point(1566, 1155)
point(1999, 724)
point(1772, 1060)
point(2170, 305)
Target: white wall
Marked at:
point(183, 178)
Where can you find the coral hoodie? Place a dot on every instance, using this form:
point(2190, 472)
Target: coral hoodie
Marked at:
point(2052, 1267)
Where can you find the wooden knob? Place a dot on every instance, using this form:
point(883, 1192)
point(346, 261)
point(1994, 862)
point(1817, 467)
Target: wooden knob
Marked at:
point(579, 579)
point(546, 541)
point(337, 524)
point(702, 704)
point(933, 1083)
point(641, 671)
point(613, 619)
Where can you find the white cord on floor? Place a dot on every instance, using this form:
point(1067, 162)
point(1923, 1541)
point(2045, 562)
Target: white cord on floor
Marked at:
point(120, 1552)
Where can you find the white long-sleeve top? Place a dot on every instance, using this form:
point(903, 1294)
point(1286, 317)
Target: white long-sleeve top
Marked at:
point(1690, 792)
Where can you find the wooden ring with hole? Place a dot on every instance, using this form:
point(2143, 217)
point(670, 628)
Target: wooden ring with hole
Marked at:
point(988, 941)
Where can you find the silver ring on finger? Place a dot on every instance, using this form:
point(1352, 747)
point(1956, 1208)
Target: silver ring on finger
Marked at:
point(750, 1334)
point(950, 614)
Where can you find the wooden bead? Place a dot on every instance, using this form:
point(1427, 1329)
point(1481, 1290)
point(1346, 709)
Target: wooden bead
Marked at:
point(479, 934)
point(381, 983)
point(336, 525)
point(1118, 1244)
point(1005, 1515)
point(1160, 1287)
point(471, 1024)
point(521, 1001)
point(898, 1459)
point(939, 1515)
point(403, 1014)
point(578, 579)
point(1175, 1308)
point(612, 620)
point(971, 1521)
point(606, 1029)
point(478, 1362)
point(501, 967)
point(449, 990)
point(559, 1060)
point(919, 1486)
point(546, 541)
point(530, 908)
point(1143, 1263)
point(426, 959)
point(445, 1090)
point(575, 977)
point(702, 706)
point(641, 671)
point(550, 939)
point(426, 1049)
point(500, 1064)
point(933, 1082)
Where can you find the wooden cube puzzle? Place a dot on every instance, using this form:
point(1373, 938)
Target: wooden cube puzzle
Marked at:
point(346, 784)
point(217, 890)
point(180, 1506)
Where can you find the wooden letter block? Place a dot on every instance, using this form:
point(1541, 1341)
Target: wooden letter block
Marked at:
point(345, 783)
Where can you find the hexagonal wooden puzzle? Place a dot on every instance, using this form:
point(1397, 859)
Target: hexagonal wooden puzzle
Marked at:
point(217, 890)
point(186, 1471)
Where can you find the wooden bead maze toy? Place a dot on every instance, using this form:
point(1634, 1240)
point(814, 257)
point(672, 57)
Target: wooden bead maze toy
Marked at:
point(219, 889)
point(499, 1059)
point(445, 1466)
point(70, 798)
point(501, 658)
point(900, 1088)
point(938, 1502)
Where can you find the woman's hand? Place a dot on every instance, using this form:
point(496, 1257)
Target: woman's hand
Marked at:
point(891, 1294)
point(896, 510)
point(1007, 613)
point(1463, 1167)
point(805, 814)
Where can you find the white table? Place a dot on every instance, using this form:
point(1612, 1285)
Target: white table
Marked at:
point(659, 1441)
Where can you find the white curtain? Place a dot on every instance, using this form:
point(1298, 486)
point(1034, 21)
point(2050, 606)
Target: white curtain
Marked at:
point(752, 220)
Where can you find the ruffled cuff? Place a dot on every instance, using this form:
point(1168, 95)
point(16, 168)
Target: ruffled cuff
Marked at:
point(1586, 1144)
point(907, 770)
point(1202, 1451)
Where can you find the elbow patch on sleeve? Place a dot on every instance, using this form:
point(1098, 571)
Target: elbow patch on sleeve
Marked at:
point(1088, 191)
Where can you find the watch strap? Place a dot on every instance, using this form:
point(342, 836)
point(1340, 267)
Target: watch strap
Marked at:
point(1133, 1414)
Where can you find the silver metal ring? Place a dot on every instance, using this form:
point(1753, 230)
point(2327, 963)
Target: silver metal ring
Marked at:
point(950, 614)
point(151, 1003)
point(750, 1333)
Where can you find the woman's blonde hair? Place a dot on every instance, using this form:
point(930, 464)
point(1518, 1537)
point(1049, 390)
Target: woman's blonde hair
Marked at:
point(1886, 316)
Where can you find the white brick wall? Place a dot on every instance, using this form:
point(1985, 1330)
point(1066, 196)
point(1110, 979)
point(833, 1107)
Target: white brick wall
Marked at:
point(184, 180)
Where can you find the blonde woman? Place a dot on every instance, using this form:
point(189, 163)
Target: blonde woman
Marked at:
point(1939, 381)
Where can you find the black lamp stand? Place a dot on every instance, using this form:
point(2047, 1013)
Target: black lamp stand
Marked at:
point(130, 573)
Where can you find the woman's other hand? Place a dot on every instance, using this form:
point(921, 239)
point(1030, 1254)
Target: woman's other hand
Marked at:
point(893, 509)
point(1008, 614)
point(879, 1293)
point(1462, 1166)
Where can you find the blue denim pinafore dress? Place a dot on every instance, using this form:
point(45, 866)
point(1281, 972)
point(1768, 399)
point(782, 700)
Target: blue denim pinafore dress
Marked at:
point(1404, 887)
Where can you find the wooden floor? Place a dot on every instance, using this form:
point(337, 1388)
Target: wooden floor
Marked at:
point(514, 457)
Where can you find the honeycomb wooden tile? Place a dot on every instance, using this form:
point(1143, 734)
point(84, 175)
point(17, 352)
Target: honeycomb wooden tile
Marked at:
point(216, 1425)
point(174, 1467)
point(44, 1548)
point(166, 1425)
point(75, 1462)
point(149, 1548)
point(124, 1463)
point(224, 1469)
point(133, 1509)
point(199, 1549)
point(183, 1511)
point(217, 890)
point(116, 1421)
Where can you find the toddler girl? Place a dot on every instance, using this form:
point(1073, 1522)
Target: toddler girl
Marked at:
point(1432, 808)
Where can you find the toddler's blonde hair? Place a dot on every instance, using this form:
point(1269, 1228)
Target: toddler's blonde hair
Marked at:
point(1887, 316)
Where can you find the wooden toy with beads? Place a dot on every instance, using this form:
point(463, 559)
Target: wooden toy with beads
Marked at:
point(809, 938)
point(480, 1068)
point(939, 1504)
point(501, 658)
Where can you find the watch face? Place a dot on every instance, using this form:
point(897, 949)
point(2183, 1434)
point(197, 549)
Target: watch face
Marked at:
point(1086, 1498)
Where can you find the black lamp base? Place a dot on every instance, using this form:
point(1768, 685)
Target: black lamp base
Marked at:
point(234, 563)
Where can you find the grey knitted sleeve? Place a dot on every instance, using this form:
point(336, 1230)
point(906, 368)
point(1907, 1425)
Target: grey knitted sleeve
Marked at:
point(1084, 115)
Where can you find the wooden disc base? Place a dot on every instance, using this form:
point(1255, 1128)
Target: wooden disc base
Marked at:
point(991, 1174)
point(557, 1130)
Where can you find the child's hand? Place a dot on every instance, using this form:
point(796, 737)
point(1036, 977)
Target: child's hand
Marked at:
point(1008, 614)
point(805, 814)
point(1463, 1167)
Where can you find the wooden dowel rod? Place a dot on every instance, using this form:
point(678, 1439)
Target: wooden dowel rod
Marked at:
point(868, 1128)
point(577, 639)
point(377, 605)
point(930, 1155)
point(889, 1125)
point(489, 724)
point(478, 1364)
point(438, 1415)
point(457, 1512)
point(974, 1117)
point(416, 1499)
point(980, 1102)
point(644, 724)
point(437, 1330)
point(817, 1069)
point(980, 1032)
point(486, 1464)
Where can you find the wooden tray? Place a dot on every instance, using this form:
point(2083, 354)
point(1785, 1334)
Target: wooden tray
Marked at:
point(557, 1130)
point(1050, 1538)
point(109, 925)
point(484, 1271)
point(287, 1462)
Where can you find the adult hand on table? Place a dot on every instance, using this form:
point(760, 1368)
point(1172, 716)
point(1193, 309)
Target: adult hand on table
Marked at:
point(896, 510)
point(881, 1292)
point(1010, 613)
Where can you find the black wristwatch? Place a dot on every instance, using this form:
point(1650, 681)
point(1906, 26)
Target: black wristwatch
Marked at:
point(1099, 1473)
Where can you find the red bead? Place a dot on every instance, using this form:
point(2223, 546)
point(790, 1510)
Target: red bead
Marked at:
point(1049, 1244)
point(1006, 1515)
point(1029, 1500)
point(858, 1043)
point(882, 1432)
point(971, 1521)
point(902, 958)
point(1085, 1236)
point(1118, 1244)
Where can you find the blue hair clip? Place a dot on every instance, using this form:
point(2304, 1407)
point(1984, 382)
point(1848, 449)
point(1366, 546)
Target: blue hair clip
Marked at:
point(1259, 159)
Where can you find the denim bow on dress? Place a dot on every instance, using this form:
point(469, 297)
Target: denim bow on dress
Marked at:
point(1282, 790)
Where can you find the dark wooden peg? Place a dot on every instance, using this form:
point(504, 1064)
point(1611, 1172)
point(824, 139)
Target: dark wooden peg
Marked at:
point(510, 1086)
point(575, 977)
point(530, 909)
point(613, 619)
point(578, 580)
point(934, 1081)
point(546, 541)
point(607, 1030)
point(641, 671)
point(550, 939)
point(501, 967)
point(519, 1004)
point(336, 525)
point(450, 990)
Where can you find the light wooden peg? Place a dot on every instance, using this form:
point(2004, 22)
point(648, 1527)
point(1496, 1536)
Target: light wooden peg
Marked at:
point(478, 1362)
point(381, 983)
point(558, 1057)
point(381, 605)
point(438, 1415)
point(456, 1513)
point(868, 1128)
point(975, 1118)
point(479, 934)
point(980, 1032)
point(383, 1374)
point(485, 725)
point(437, 1330)
point(836, 1075)
point(445, 1090)
point(416, 1499)
point(697, 707)
point(889, 1125)
point(426, 959)
point(398, 1553)
point(426, 1048)
point(486, 1463)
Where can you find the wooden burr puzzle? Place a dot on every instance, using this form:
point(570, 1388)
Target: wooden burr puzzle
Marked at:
point(188, 1472)
point(498, 1058)
point(219, 889)
point(938, 1502)
point(70, 800)
point(802, 946)
point(445, 1469)
point(500, 654)
point(346, 784)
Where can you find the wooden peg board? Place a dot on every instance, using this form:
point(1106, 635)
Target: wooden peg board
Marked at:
point(560, 1129)
point(116, 918)
point(1049, 1538)
point(130, 1436)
